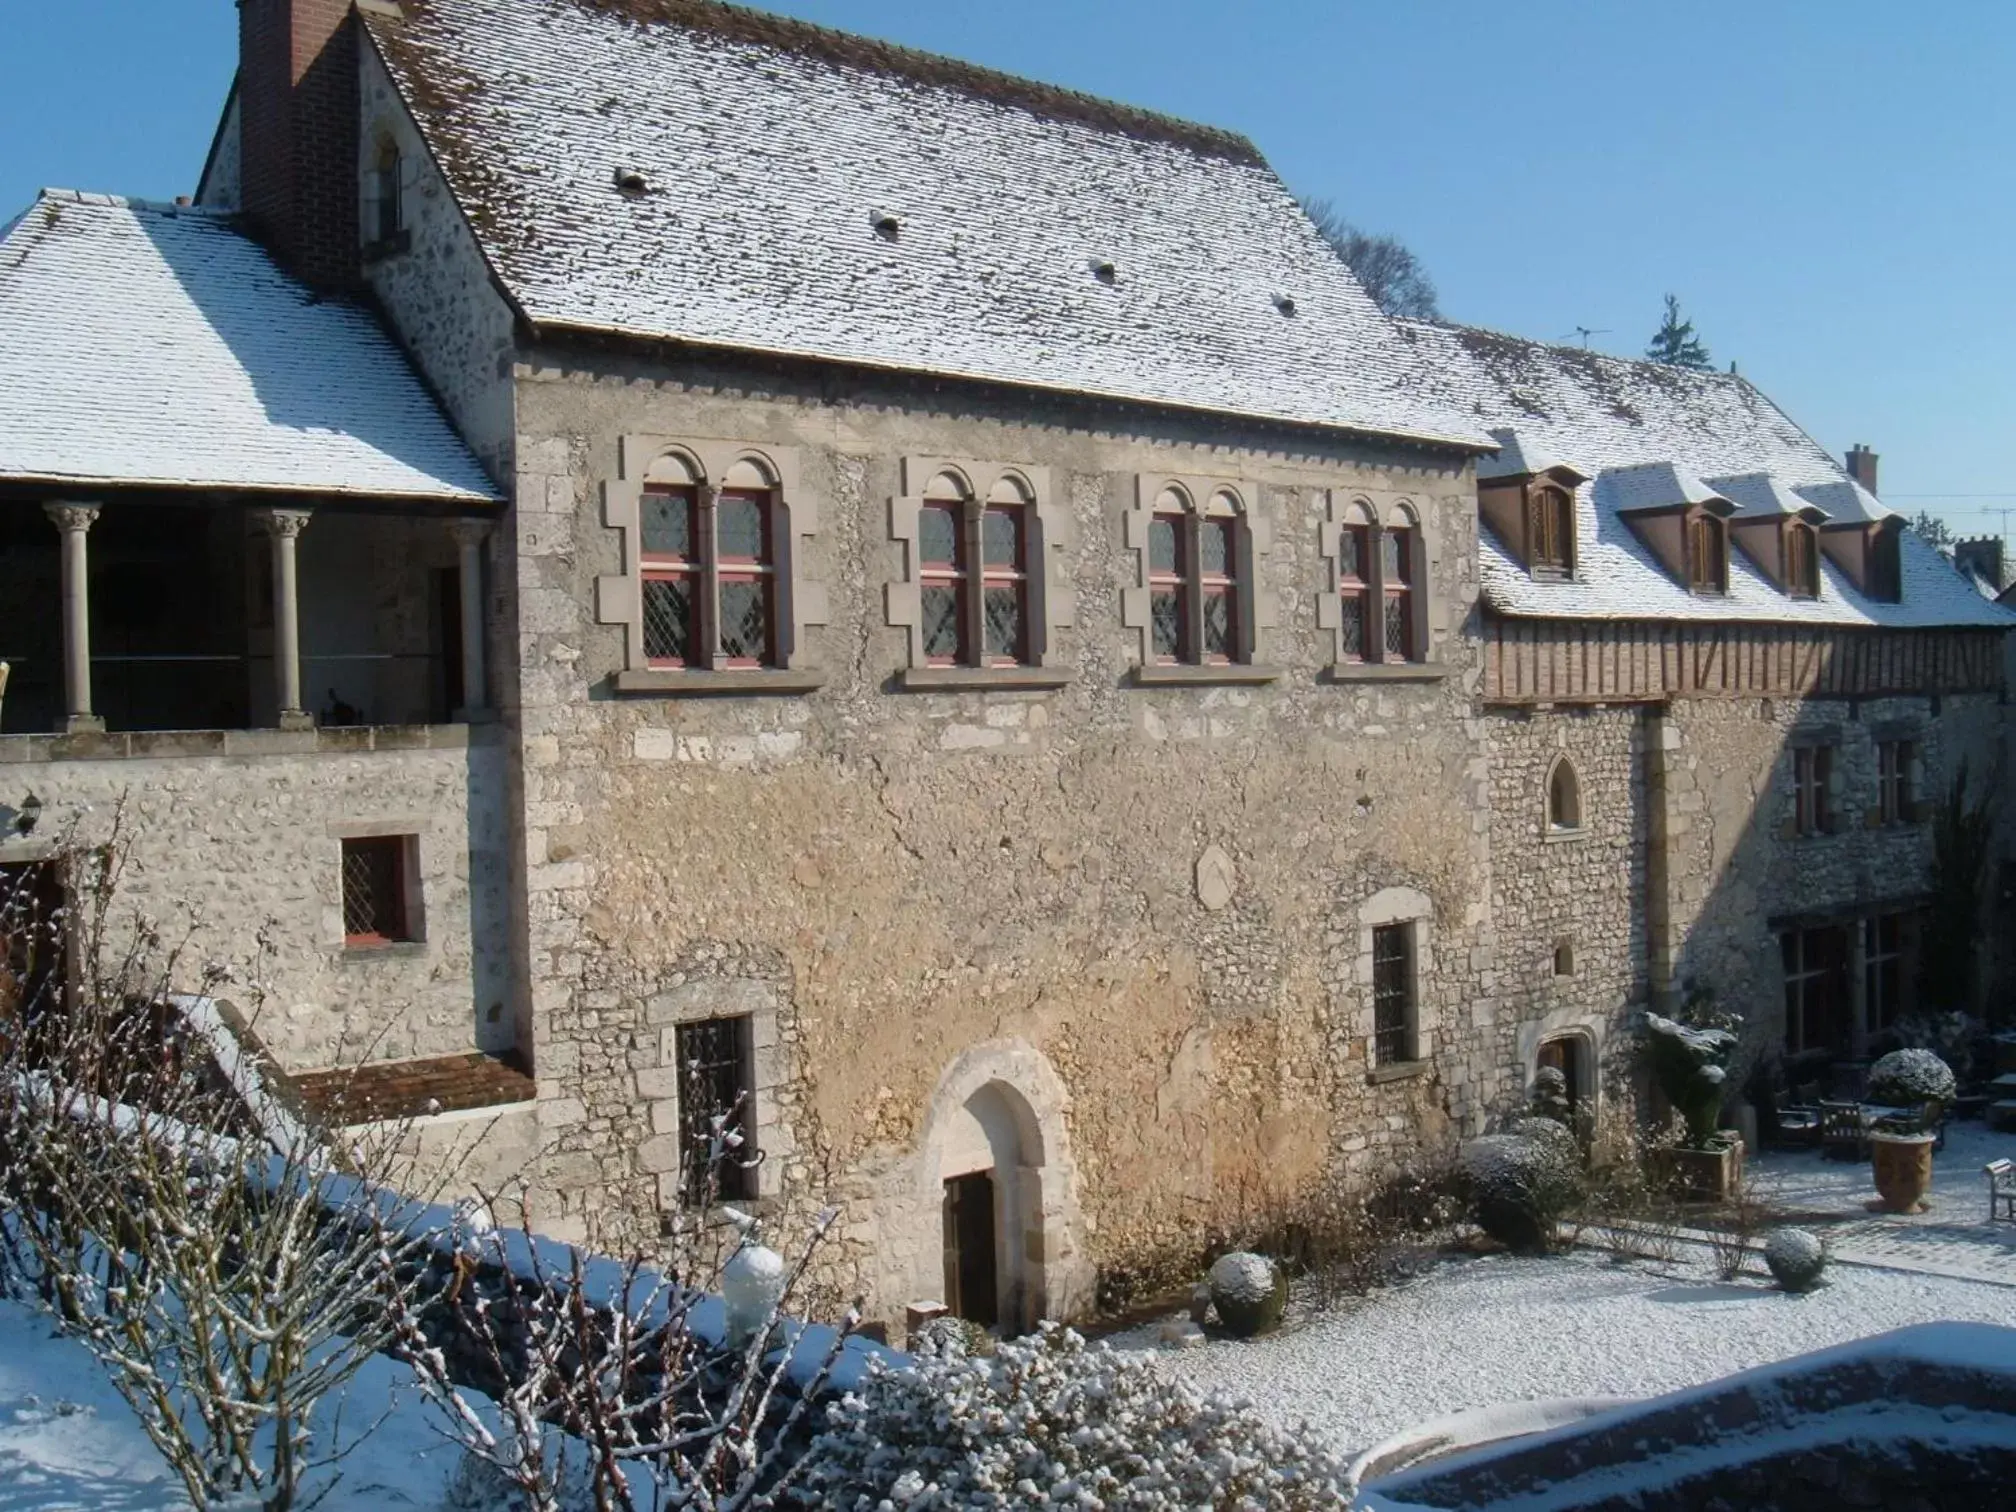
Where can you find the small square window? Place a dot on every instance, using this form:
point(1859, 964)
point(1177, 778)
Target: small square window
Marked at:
point(378, 901)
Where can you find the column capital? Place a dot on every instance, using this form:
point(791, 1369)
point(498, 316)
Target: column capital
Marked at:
point(69, 517)
point(469, 532)
point(284, 523)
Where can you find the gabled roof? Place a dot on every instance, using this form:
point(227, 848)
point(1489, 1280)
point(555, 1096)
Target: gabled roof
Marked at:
point(1657, 485)
point(671, 169)
point(1610, 414)
point(145, 344)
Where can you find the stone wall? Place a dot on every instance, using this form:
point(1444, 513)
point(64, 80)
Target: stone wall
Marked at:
point(923, 878)
point(1567, 914)
point(233, 833)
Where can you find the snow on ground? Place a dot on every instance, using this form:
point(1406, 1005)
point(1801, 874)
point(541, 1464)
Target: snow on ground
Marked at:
point(1479, 1332)
point(1801, 1181)
point(69, 1444)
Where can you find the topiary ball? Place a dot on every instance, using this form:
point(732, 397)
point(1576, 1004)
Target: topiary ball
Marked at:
point(1795, 1258)
point(1911, 1078)
point(1248, 1292)
point(1522, 1181)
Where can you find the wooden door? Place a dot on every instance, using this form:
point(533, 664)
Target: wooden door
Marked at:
point(972, 1285)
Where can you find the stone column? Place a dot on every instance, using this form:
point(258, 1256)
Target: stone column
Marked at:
point(75, 521)
point(284, 526)
point(469, 537)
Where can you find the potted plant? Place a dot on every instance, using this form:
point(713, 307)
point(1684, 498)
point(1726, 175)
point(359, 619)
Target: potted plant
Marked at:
point(1900, 1150)
point(1690, 1062)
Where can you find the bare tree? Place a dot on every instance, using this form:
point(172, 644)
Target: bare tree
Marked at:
point(1387, 269)
point(230, 1268)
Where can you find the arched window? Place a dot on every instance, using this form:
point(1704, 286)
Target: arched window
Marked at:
point(1195, 587)
point(1564, 797)
point(1550, 531)
point(1354, 585)
point(1802, 560)
point(1396, 587)
point(387, 196)
point(1707, 554)
point(708, 561)
point(975, 616)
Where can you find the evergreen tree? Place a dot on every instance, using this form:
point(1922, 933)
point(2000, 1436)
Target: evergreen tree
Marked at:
point(1675, 343)
point(1931, 528)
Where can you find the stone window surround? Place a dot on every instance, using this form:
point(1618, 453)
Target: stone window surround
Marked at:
point(1811, 738)
point(412, 830)
point(1052, 598)
point(1563, 834)
point(619, 599)
point(1412, 907)
point(1258, 609)
point(694, 1002)
point(1379, 509)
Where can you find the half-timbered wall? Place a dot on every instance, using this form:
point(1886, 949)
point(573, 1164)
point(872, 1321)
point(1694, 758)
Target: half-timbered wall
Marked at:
point(1558, 661)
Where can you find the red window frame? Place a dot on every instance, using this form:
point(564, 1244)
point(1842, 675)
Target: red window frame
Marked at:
point(1176, 581)
point(1396, 586)
point(377, 862)
point(1009, 576)
point(1355, 589)
point(668, 567)
point(760, 569)
point(1219, 585)
point(947, 574)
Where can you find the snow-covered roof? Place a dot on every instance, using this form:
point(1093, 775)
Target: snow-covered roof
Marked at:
point(157, 345)
point(1656, 485)
point(672, 169)
point(1759, 496)
point(1627, 422)
point(1518, 457)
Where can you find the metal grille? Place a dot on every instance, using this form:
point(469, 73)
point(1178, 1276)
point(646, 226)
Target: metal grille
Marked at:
point(716, 1093)
point(745, 620)
point(374, 904)
point(1392, 994)
point(1002, 610)
point(668, 619)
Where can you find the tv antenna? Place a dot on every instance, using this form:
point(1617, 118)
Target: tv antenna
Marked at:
point(1585, 332)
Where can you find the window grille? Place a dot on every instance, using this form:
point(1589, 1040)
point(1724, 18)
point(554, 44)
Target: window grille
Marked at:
point(1392, 994)
point(375, 905)
point(717, 1082)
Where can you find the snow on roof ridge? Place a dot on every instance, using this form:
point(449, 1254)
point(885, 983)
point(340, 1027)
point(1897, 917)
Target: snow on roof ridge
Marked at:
point(745, 24)
point(127, 202)
point(1573, 350)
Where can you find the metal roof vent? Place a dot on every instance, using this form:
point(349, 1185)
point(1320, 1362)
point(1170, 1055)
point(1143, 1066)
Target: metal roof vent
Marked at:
point(631, 183)
point(1284, 303)
point(1103, 270)
point(887, 225)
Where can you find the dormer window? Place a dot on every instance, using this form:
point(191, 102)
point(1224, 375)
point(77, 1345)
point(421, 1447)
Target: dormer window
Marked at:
point(1550, 531)
point(1707, 553)
point(1886, 566)
point(1802, 560)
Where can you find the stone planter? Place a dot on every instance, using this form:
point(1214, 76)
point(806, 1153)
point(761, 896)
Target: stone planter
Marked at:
point(1903, 1167)
point(1710, 1175)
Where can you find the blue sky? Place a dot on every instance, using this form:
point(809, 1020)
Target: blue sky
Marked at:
point(1828, 185)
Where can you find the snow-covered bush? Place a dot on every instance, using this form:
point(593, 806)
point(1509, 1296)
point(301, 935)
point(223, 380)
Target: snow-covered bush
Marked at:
point(1050, 1421)
point(1910, 1079)
point(1795, 1258)
point(1550, 1096)
point(479, 1484)
point(1691, 1065)
point(1249, 1293)
point(1522, 1181)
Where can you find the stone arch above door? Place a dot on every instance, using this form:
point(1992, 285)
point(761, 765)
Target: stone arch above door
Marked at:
point(1001, 1102)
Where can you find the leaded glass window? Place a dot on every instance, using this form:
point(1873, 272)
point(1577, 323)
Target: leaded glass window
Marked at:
point(941, 575)
point(672, 575)
point(1396, 576)
point(1354, 588)
point(1167, 582)
point(1005, 583)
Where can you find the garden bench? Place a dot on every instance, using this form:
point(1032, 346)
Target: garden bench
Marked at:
point(2001, 1176)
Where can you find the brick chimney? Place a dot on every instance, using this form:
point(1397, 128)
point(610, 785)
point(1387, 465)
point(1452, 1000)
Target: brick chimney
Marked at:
point(1982, 558)
point(1862, 466)
point(298, 107)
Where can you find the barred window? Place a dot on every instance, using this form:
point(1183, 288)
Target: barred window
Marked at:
point(1392, 994)
point(377, 901)
point(717, 1119)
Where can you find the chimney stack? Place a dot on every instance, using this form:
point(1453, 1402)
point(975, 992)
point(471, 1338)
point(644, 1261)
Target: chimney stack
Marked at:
point(1982, 559)
point(1862, 466)
point(298, 107)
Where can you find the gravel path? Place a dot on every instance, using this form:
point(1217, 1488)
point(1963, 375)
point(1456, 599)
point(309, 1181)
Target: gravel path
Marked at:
point(1476, 1333)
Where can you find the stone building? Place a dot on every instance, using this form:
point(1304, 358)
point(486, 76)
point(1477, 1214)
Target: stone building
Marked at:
point(994, 666)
